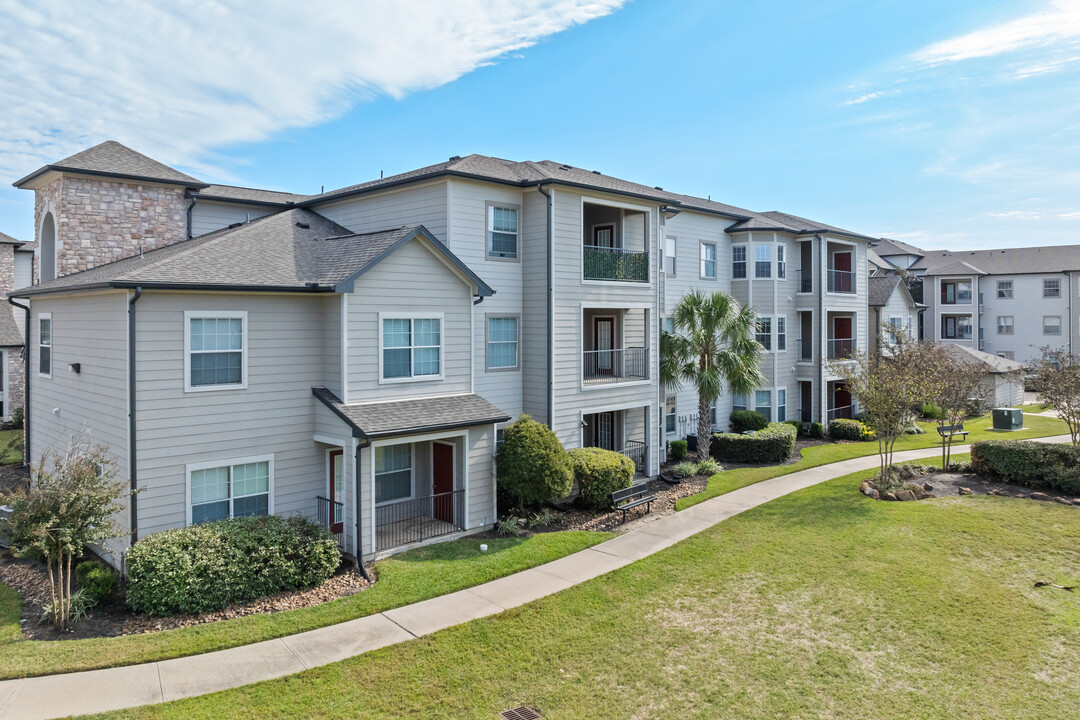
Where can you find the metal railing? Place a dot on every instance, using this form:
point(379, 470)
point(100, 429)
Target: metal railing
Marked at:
point(845, 411)
point(332, 517)
point(806, 350)
point(841, 281)
point(841, 348)
point(804, 281)
point(805, 415)
point(614, 366)
point(635, 450)
point(617, 264)
point(404, 522)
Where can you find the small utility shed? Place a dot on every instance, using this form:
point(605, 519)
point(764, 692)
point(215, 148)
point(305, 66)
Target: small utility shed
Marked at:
point(1003, 385)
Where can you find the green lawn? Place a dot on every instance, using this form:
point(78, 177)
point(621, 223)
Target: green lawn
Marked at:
point(14, 455)
point(821, 604)
point(979, 429)
point(403, 579)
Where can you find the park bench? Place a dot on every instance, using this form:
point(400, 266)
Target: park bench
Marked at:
point(632, 497)
point(951, 430)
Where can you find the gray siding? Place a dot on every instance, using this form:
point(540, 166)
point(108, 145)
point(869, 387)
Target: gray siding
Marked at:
point(1027, 307)
point(208, 216)
point(534, 326)
point(424, 204)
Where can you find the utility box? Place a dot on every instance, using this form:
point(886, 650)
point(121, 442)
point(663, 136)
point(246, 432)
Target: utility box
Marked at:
point(5, 512)
point(1008, 419)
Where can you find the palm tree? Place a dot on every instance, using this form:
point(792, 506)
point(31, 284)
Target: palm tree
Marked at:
point(712, 346)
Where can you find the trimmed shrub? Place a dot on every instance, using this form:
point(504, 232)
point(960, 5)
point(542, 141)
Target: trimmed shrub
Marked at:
point(599, 473)
point(743, 420)
point(678, 450)
point(532, 464)
point(930, 411)
point(817, 431)
point(208, 567)
point(1036, 465)
point(846, 429)
point(685, 469)
point(795, 424)
point(97, 580)
point(708, 466)
point(773, 444)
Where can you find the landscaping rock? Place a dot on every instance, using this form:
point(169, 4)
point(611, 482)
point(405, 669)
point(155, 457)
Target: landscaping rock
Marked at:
point(1039, 496)
point(1062, 500)
point(890, 496)
point(864, 487)
point(906, 496)
point(927, 486)
point(876, 495)
point(964, 491)
point(1076, 501)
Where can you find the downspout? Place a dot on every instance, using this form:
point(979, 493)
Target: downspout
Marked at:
point(360, 512)
point(189, 209)
point(823, 279)
point(550, 311)
point(26, 382)
point(133, 471)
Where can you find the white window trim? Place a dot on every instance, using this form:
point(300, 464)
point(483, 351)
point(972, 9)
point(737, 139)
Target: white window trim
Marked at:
point(52, 355)
point(701, 261)
point(442, 347)
point(744, 261)
point(489, 215)
point(769, 261)
point(1012, 324)
point(1049, 317)
point(487, 341)
point(671, 247)
point(1051, 297)
point(777, 333)
point(998, 290)
point(190, 315)
point(412, 473)
point(229, 463)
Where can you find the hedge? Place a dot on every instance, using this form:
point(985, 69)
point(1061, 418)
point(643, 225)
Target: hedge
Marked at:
point(208, 567)
point(847, 429)
point(678, 450)
point(532, 465)
point(744, 420)
point(773, 444)
point(1034, 464)
point(599, 473)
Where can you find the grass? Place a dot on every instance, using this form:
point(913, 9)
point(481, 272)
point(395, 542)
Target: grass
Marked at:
point(8, 454)
point(978, 429)
point(823, 603)
point(402, 579)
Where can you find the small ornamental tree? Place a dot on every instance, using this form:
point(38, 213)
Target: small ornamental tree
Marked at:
point(72, 502)
point(951, 381)
point(532, 464)
point(1058, 375)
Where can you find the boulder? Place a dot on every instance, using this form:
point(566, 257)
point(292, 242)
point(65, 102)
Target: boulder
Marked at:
point(927, 486)
point(864, 487)
point(872, 492)
point(964, 491)
point(1039, 496)
point(889, 496)
point(1062, 500)
point(1076, 501)
point(906, 495)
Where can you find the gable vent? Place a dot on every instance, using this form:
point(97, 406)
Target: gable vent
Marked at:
point(565, 167)
point(303, 225)
point(596, 172)
point(520, 713)
point(454, 158)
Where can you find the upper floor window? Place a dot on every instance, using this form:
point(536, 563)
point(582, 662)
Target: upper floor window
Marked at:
point(669, 414)
point(238, 489)
point(502, 231)
point(763, 264)
point(502, 342)
point(738, 402)
point(1005, 325)
point(712, 413)
point(956, 327)
point(738, 261)
point(669, 256)
point(411, 348)
point(1004, 290)
point(781, 262)
point(45, 344)
point(708, 261)
point(1051, 325)
point(1051, 288)
point(216, 353)
point(955, 292)
point(781, 333)
point(764, 332)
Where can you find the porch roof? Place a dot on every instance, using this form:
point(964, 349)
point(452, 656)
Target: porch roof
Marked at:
point(408, 417)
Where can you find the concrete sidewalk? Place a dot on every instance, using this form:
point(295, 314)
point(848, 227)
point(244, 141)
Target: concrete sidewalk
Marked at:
point(94, 691)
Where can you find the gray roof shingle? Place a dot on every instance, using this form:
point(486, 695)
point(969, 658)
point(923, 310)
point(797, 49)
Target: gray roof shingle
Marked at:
point(256, 196)
point(993, 363)
point(785, 222)
point(113, 159)
point(888, 246)
point(880, 289)
point(8, 240)
point(10, 337)
point(1004, 261)
point(404, 417)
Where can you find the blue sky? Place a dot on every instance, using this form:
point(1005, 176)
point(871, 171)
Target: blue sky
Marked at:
point(943, 124)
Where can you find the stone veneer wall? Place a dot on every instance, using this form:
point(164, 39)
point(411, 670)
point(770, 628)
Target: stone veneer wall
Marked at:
point(16, 376)
point(14, 368)
point(99, 221)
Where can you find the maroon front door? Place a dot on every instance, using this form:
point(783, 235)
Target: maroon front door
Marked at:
point(442, 481)
point(843, 345)
point(842, 401)
point(843, 275)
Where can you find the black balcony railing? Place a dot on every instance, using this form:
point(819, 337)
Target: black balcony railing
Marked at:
point(405, 522)
point(635, 450)
point(845, 411)
point(804, 415)
point(332, 517)
point(841, 281)
point(615, 366)
point(806, 349)
point(804, 281)
point(616, 264)
point(841, 348)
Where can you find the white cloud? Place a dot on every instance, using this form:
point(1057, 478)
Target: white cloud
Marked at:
point(1059, 22)
point(863, 98)
point(176, 81)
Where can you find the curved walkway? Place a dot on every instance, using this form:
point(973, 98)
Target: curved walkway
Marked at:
point(54, 696)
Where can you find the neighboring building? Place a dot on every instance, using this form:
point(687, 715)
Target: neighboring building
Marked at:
point(898, 254)
point(15, 272)
point(1003, 385)
point(891, 304)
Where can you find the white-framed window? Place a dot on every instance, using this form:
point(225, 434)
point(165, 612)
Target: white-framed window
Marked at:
point(669, 414)
point(393, 473)
point(45, 345)
point(1004, 289)
point(712, 413)
point(669, 325)
point(955, 292)
point(738, 262)
point(738, 402)
point(763, 403)
point(781, 333)
point(215, 350)
point(781, 262)
point(231, 488)
point(1051, 324)
point(669, 256)
point(410, 347)
point(502, 225)
point(1051, 288)
point(1004, 324)
point(708, 261)
point(502, 342)
point(763, 333)
point(763, 261)
point(781, 405)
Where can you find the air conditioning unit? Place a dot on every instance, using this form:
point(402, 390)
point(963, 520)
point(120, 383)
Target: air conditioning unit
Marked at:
point(5, 513)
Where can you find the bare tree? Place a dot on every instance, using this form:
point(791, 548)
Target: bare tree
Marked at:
point(1057, 373)
point(952, 381)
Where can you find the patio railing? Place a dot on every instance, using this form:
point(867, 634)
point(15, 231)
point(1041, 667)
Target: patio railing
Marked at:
point(635, 450)
point(617, 264)
point(841, 348)
point(613, 366)
point(841, 281)
point(332, 517)
point(844, 411)
point(405, 522)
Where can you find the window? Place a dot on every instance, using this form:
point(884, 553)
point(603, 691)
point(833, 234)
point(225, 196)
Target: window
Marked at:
point(956, 292)
point(712, 413)
point(781, 333)
point(956, 327)
point(669, 325)
point(763, 264)
point(738, 402)
point(1051, 288)
point(237, 489)
point(1051, 325)
point(500, 436)
point(1005, 325)
point(669, 257)
point(216, 354)
point(763, 403)
point(708, 261)
point(502, 231)
point(45, 344)
point(669, 414)
point(764, 332)
point(781, 405)
point(738, 261)
point(502, 343)
point(393, 473)
point(411, 348)
point(781, 262)
point(1004, 290)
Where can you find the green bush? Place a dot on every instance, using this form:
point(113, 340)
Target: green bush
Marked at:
point(97, 580)
point(708, 466)
point(685, 469)
point(795, 424)
point(817, 431)
point(743, 420)
point(599, 473)
point(1034, 464)
point(208, 567)
point(847, 429)
point(930, 411)
point(678, 450)
point(532, 464)
point(773, 444)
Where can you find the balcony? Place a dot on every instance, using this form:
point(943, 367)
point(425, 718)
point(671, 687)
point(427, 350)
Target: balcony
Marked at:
point(804, 281)
point(615, 264)
point(806, 350)
point(841, 281)
point(615, 366)
point(405, 522)
point(840, 348)
point(635, 450)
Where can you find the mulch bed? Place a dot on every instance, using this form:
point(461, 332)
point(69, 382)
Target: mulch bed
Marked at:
point(13, 477)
